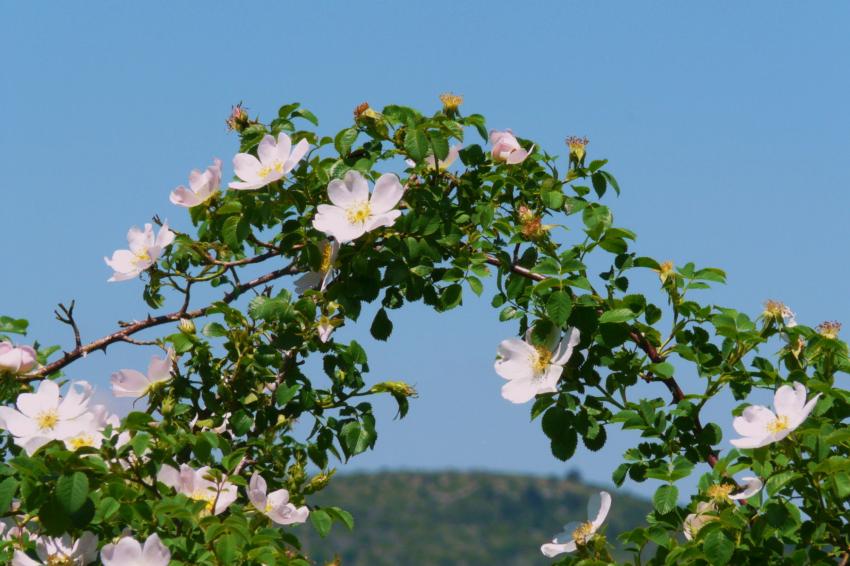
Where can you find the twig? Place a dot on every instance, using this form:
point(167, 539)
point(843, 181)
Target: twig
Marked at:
point(128, 329)
point(68, 319)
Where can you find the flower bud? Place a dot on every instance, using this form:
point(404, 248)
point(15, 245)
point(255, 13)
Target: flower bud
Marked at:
point(186, 326)
point(319, 482)
point(395, 388)
point(16, 359)
point(361, 108)
point(238, 119)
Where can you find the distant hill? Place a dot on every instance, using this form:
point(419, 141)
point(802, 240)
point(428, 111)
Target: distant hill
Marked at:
point(456, 518)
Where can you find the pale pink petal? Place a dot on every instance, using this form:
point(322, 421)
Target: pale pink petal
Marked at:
point(129, 383)
point(383, 219)
point(752, 486)
point(340, 194)
point(246, 167)
point(125, 551)
point(789, 401)
point(753, 421)
point(519, 390)
point(155, 553)
point(604, 506)
point(357, 184)
point(269, 151)
point(181, 196)
point(552, 549)
point(46, 397)
point(388, 192)
point(516, 156)
point(159, 369)
point(298, 152)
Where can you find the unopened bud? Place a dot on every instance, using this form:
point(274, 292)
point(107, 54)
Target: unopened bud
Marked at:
point(186, 326)
point(360, 109)
point(319, 482)
point(238, 119)
point(394, 387)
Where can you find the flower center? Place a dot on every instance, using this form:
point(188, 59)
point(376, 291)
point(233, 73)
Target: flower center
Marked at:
point(142, 257)
point(47, 420)
point(583, 533)
point(720, 491)
point(207, 497)
point(83, 441)
point(59, 560)
point(778, 424)
point(358, 213)
point(541, 361)
point(277, 167)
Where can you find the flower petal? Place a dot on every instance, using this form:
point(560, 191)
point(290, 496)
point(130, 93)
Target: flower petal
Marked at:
point(752, 486)
point(519, 390)
point(388, 192)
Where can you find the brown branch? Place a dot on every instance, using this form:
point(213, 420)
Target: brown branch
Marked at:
point(636, 337)
point(150, 322)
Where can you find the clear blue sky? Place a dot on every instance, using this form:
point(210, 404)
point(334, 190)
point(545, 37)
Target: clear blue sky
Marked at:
point(726, 123)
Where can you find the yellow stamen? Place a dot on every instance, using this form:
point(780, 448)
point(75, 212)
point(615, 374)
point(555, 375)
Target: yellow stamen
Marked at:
point(266, 171)
point(451, 101)
point(85, 441)
point(778, 424)
point(829, 329)
point(541, 361)
point(59, 560)
point(47, 420)
point(142, 257)
point(207, 497)
point(583, 533)
point(358, 213)
point(720, 491)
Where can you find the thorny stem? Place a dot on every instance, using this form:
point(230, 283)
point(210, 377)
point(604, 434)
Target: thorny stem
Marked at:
point(121, 336)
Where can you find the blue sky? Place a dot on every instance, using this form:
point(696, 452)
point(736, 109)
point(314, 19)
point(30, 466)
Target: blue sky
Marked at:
point(726, 124)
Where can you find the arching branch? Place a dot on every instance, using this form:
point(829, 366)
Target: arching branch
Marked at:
point(123, 334)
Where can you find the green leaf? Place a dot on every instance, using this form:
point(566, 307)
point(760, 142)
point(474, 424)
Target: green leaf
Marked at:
point(558, 307)
point(616, 315)
point(213, 330)
point(665, 498)
point(344, 140)
point(382, 326)
point(355, 438)
point(342, 516)
point(72, 491)
point(321, 521)
point(285, 394)
point(416, 144)
point(226, 548)
point(8, 488)
point(565, 446)
point(230, 233)
point(663, 369)
point(718, 548)
point(269, 309)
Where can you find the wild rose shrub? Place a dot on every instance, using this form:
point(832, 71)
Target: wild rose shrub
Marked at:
point(402, 207)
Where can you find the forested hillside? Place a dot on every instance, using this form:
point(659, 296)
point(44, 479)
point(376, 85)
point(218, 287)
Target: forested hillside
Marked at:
point(455, 518)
